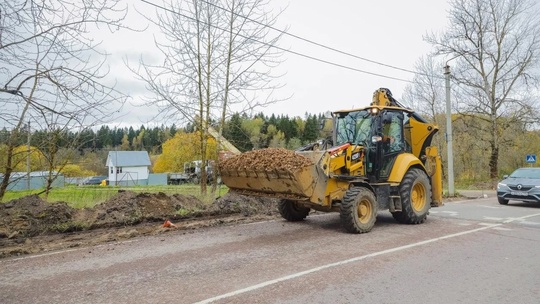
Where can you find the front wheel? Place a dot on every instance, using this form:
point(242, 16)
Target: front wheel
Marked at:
point(358, 210)
point(292, 211)
point(415, 194)
point(502, 201)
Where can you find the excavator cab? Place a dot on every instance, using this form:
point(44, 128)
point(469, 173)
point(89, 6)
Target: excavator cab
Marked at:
point(381, 133)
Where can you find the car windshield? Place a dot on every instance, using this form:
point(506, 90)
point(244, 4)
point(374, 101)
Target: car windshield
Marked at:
point(353, 127)
point(526, 173)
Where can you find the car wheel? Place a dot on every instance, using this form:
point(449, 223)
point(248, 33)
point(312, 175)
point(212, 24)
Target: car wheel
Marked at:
point(502, 201)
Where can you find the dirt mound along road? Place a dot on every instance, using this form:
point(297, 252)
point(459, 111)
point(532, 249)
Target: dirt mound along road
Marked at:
point(30, 216)
point(30, 224)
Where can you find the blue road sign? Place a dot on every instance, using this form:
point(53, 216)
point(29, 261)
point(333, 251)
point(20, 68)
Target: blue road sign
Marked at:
point(531, 158)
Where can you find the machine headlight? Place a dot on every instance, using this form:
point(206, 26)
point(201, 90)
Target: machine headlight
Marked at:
point(500, 185)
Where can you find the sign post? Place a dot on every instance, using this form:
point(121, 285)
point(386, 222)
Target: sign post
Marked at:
point(530, 159)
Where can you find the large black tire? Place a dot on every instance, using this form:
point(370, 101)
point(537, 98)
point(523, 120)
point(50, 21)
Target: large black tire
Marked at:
point(358, 211)
point(291, 211)
point(415, 193)
point(502, 201)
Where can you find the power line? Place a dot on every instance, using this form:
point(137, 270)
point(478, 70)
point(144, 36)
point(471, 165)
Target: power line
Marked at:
point(282, 49)
point(310, 41)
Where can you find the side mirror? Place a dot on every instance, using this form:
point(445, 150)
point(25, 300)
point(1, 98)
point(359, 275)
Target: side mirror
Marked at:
point(505, 176)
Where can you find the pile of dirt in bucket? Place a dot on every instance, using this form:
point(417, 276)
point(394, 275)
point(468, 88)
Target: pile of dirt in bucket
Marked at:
point(266, 159)
point(30, 224)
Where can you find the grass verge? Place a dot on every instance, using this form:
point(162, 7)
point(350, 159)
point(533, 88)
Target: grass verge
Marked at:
point(89, 196)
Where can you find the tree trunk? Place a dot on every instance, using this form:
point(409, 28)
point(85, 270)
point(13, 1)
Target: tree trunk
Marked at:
point(494, 162)
point(7, 171)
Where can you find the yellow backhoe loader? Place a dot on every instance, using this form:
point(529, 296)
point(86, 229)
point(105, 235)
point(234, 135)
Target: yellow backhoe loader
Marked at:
point(380, 158)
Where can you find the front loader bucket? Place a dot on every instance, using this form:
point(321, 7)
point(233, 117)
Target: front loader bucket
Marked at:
point(275, 173)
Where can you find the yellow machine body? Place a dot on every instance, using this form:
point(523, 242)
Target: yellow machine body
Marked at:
point(360, 156)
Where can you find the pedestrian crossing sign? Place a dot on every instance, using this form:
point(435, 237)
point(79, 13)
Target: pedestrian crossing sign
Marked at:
point(531, 158)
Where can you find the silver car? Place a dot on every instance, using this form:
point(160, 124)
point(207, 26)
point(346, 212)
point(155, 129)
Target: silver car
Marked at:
point(522, 185)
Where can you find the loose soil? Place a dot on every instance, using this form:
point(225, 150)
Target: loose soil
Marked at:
point(32, 225)
point(266, 159)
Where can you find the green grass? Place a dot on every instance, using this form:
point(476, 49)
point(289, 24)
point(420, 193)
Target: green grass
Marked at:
point(89, 196)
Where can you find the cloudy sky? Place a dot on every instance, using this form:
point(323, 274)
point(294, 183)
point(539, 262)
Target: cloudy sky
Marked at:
point(388, 32)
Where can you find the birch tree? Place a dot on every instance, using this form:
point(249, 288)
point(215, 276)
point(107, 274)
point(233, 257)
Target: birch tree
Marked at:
point(51, 67)
point(495, 47)
point(218, 59)
point(426, 95)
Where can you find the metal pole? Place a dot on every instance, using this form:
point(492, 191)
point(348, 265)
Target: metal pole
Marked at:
point(28, 159)
point(449, 133)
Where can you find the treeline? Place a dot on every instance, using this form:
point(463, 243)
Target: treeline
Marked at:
point(243, 131)
point(126, 139)
point(260, 131)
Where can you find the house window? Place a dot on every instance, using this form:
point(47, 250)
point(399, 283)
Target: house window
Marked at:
point(119, 170)
point(112, 170)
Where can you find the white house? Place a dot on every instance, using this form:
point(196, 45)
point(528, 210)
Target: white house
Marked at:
point(127, 168)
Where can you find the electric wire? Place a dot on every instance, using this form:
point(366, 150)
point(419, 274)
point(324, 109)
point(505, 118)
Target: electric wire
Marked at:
point(280, 48)
point(311, 41)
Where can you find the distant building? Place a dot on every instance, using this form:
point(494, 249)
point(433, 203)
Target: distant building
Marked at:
point(128, 168)
point(38, 180)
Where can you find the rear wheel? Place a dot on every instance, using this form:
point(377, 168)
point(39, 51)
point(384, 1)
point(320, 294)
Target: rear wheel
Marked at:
point(415, 193)
point(502, 201)
point(358, 210)
point(292, 211)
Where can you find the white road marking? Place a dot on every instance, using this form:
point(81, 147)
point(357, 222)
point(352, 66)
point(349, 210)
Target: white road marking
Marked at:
point(485, 224)
point(44, 254)
point(68, 250)
point(489, 218)
point(448, 213)
point(356, 259)
point(491, 207)
point(451, 213)
point(340, 263)
point(502, 229)
point(469, 200)
point(521, 218)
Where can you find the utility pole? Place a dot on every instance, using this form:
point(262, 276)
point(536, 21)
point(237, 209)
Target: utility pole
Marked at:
point(449, 133)
point(28, 159)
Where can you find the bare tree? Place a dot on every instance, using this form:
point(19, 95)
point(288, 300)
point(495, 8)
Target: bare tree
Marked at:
point(218, 59)
point(51, 67)
point(63, 138)
point(427, 95)
point(496, 44)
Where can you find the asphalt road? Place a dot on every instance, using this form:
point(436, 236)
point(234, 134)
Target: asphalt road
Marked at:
point(471, 251)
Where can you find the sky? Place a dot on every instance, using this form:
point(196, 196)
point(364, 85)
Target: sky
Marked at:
point(389, 32)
